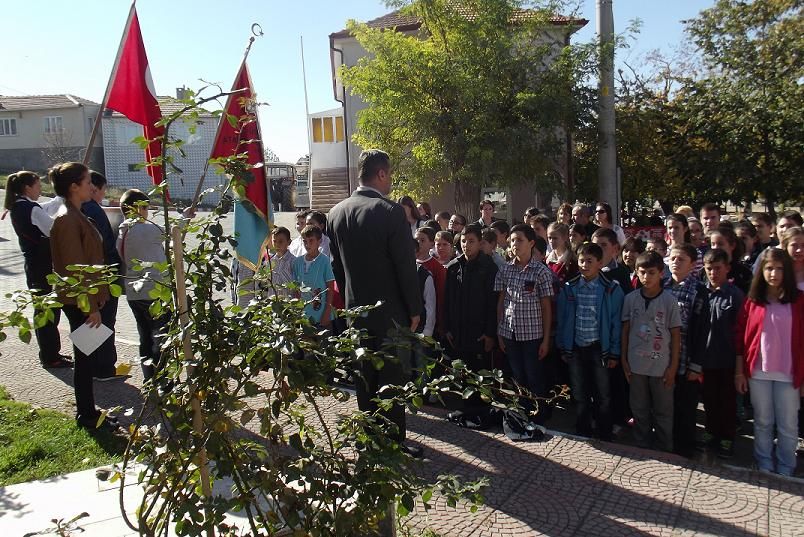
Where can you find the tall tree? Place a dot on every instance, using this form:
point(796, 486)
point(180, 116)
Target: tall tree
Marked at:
point(481, 94)
point(644, 104)
point(740, 127)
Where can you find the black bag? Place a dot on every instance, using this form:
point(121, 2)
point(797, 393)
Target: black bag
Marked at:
point(517, 426)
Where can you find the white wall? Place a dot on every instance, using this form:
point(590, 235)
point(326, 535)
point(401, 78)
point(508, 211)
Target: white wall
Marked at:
point(119, 153)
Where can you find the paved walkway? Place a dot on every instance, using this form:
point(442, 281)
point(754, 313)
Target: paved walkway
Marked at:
point(563, 486)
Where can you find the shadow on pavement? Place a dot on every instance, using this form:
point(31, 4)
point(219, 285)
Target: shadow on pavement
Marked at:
point(568, 487)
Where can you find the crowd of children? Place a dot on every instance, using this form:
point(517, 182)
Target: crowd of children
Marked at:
point(640, 330)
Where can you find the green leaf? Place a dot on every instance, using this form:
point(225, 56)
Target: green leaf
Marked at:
point(427, 495)
point(115, 290)
point(83, 303)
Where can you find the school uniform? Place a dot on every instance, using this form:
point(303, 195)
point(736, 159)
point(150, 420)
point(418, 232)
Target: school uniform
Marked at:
point(32, 226)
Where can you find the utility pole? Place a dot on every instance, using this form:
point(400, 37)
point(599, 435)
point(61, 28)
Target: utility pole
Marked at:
point(607, 166)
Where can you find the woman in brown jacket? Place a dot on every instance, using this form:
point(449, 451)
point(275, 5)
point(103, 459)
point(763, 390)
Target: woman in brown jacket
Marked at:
point(75, 241)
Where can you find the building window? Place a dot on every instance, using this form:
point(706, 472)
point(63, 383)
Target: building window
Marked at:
point(339, 137)
point(328, 129)
point(90, 123)
point(8, 127)
point(318, 137)
point(54, 124)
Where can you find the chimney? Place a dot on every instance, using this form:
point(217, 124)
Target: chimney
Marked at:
point(181, 93)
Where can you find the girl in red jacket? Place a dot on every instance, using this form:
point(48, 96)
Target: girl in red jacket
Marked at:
point(770, 355)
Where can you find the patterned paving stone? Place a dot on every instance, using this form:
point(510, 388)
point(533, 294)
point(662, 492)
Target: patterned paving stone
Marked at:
point(787, 495)
point(657, 479)
point(577, 464)
point(618, 510)
point(717, 511)
point(785, 523)
point(538, 510)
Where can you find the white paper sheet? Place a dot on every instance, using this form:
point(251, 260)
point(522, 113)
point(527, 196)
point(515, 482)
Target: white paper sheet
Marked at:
point(88, 339)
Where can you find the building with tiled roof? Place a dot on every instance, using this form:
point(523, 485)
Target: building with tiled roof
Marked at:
point(345, 50)
point(406, 23)
point(123, 158)
point(37, 131)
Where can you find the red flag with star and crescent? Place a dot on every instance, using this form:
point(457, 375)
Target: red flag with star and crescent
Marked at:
point(131, 92)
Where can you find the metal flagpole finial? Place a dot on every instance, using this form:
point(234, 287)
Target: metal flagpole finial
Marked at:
point(256, 31)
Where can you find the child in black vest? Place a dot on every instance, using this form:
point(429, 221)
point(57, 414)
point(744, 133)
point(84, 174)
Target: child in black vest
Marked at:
point(32, 226)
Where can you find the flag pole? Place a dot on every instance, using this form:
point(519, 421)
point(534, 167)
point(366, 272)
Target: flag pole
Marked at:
point(256, 31)
point(112, 75)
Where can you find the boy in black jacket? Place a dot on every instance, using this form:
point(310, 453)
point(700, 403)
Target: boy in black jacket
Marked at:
point(470, 315)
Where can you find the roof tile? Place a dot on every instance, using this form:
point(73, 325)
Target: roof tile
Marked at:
point(397, 20)
point(42, 102)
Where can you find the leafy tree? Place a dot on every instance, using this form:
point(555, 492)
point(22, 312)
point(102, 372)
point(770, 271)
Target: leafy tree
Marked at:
point(739, 128)
point(644, 122)
point(480, 95)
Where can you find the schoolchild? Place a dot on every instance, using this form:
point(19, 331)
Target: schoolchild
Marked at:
point(606, 238)
point(770, 359)
point(525, 314)
point(502, 229)
point(280, 263)
point(425, 237)
point(632, 247)
point(141, 241)
point(578, 235)
point(488, 245)
point(470, 317)
point(104, 366)
point(313, 271)
point(655, 244)
point(588, 337)
point(561, 259)
point(427, 317)
point(693, 302)
point(32, 225)
point(726, 240)
point(719, 396)
point(444, 250)
point(297, 245)
point(651, 343)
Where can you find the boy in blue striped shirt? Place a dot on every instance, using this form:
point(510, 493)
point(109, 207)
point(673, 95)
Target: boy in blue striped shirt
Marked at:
point(588, 336)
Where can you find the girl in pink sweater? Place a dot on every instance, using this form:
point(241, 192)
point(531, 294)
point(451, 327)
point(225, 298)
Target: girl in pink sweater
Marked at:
point(770, 359)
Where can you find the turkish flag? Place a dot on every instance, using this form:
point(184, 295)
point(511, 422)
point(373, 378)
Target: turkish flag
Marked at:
point(132, 93)
point(244, 137)
point(252, 218)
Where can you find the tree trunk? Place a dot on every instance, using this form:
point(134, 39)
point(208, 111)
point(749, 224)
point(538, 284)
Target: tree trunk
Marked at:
point(770, 203)
point(467, 198)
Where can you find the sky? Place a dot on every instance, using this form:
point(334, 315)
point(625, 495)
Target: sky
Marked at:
point(56, 46)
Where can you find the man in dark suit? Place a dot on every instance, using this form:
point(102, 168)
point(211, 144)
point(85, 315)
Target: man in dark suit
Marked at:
point(373, 261)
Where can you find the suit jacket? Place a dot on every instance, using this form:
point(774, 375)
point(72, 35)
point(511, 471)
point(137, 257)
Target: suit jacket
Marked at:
point(373, 259)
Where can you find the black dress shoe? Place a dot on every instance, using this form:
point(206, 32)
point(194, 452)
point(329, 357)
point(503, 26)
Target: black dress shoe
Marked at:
point(57, 363)
point(414, 451)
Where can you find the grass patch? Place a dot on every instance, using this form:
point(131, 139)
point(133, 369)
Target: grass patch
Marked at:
point(38, 443)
